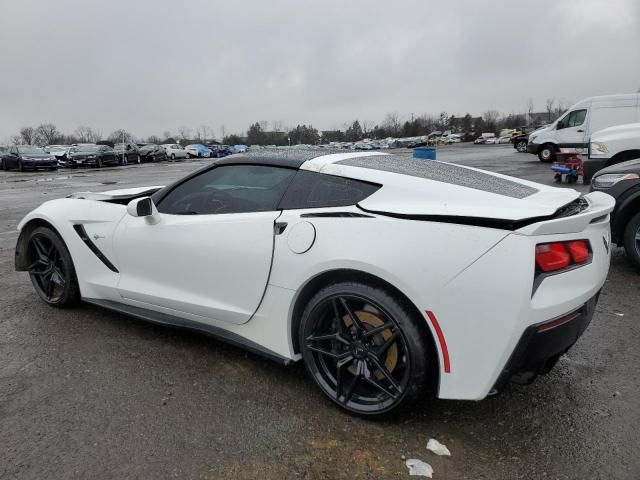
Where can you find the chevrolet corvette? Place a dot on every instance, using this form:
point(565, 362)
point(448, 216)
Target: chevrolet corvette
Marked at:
point(387, 276)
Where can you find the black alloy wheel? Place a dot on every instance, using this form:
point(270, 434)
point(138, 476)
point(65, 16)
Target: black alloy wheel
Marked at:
point(362, 348)
point(521, 146)
point(51, 268)
point(20, 166)
point(99, 163)
point(632, 239)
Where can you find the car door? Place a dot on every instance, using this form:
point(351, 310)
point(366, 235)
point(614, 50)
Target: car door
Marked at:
point(11, 160)
point(210, 252)
point(571, 129)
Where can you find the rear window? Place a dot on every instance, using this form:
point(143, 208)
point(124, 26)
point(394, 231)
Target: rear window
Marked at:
point(317, 190)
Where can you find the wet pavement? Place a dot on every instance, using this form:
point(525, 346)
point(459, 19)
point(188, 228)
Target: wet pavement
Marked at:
point(87, 393)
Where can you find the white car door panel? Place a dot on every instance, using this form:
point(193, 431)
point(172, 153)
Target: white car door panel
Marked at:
point(214, 266)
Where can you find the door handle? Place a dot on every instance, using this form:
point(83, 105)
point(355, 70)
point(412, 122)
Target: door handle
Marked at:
point(279, 227)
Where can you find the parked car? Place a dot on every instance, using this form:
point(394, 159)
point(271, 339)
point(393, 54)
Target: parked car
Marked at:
point(27, 157)
point(491, 141)
point(197, 150)
point(152, 153)
point(574, 128)
point(622, 182)
point(503, 139)
point(127, 153)
point(610, 146)
point(220, 151)
point(239, 148)
point(480, 140)
point(453, 138)
point(88, 155)
point(174, 151)
point(265, 250)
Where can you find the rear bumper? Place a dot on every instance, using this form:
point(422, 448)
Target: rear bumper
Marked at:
point(533, 147)
point(541, 345)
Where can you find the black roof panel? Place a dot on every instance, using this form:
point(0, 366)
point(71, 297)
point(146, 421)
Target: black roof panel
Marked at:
point(281, 157)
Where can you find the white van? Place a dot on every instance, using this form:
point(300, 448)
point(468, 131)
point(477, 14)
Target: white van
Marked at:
point(571, 132)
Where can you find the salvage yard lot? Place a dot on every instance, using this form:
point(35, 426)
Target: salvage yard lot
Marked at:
point(88, 393)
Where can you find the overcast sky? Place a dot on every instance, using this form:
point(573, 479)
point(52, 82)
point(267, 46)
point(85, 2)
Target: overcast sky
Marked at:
point(154, 65)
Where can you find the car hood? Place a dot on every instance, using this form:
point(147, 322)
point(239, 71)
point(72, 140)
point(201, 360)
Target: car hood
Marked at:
point(632, 166)
point(120, 194)
point(629, 130)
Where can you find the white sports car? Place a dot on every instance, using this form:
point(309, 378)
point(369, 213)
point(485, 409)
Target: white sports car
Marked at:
point(384, 274)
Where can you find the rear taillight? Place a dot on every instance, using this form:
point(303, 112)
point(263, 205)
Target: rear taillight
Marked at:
point(552, 257)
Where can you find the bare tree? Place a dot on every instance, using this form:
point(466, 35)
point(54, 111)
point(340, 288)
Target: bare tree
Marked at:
point(166, 134)
point(184, 133)
point(366, 127)
point(530, 110)
point(28, 135)
point(47, 133)
point(549, 106)
point(392, 123)
point(15, 139)
point(120, 135)
point(154, 139)
point(86, 134)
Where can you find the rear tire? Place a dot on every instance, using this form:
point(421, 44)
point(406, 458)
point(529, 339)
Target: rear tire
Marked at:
point(632, 239)
point(547, 153)
point(364, 373)
point(51, 269)
point(521, 146)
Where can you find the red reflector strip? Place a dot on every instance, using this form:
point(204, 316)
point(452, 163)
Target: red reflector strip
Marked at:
point(443, 344)
point(558, 321)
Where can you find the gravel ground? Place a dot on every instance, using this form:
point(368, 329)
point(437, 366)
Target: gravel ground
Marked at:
point(87, 393)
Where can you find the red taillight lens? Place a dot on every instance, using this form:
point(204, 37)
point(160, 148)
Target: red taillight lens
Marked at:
point(552, 256)
point(579, 251)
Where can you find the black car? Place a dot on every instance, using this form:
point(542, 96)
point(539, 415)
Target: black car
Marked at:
point(127, 153)
point(622, 182)
point(27, 157)
point(152, 153)
point(91, 156)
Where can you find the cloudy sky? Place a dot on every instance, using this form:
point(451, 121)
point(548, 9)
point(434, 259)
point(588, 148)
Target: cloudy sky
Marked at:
point(155, 65)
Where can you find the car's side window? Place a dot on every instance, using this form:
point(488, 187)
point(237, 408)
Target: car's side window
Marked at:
point(572, 119)
point(316, 190)
point(229, 189)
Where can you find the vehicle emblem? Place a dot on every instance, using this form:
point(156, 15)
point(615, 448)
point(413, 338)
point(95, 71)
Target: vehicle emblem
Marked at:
point(606, 243)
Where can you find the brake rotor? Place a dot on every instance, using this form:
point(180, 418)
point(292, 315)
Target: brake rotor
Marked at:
point(370, 319)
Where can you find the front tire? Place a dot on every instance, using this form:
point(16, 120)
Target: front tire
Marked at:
point(20, 166)
point(632, 239)
point(51, 269)
point(547, 153)
point(364, 348)
point(173, 157)
point(521, 146)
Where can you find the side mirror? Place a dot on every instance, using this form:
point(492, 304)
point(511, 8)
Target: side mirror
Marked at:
point(144, 207)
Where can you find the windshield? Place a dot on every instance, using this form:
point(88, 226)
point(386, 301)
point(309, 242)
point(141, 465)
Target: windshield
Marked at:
point(30, 149)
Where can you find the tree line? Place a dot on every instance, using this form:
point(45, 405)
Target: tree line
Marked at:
point(266, 133)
